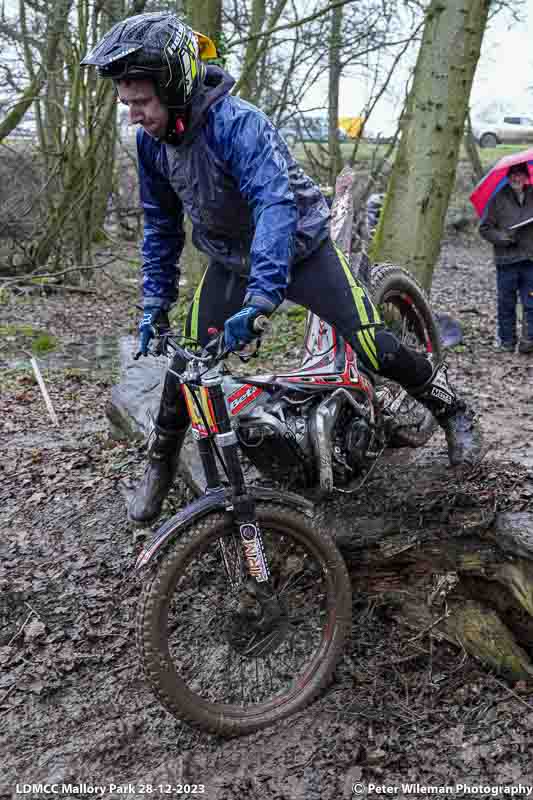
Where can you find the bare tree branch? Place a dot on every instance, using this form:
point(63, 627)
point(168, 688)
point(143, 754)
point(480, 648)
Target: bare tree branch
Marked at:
point(290, 25)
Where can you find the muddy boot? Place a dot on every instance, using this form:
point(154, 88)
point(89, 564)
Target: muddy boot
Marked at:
point(454, 416)
point(163, 457)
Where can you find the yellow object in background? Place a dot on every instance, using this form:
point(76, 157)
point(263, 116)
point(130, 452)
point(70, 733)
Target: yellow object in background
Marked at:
point(352, 125)
point(206, 46)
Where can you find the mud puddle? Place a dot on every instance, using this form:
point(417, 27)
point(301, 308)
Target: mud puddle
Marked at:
point(100, 353)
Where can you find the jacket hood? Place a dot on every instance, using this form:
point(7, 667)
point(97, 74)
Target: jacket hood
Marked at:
point(217, 83)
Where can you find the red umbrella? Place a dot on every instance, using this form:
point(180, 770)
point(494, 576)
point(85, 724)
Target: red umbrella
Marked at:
point(496, 179)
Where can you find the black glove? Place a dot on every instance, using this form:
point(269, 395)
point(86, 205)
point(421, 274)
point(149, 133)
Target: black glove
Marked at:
point(154, 322)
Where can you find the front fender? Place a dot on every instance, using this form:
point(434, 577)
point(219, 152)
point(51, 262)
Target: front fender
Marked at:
point(215, 501)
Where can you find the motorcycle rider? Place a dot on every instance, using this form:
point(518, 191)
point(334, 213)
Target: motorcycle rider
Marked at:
point(261, 220)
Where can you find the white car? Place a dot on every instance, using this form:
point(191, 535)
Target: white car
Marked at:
point(506, 130)
point(309, 129)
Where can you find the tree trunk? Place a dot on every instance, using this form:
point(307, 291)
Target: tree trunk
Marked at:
point(249, 83)
point(423, 174)
point(15, 116)
point(264, 43)
point(45, 74)
point(101, 166)
point(472, 152)
point(335, 156)
point(79, 139)
point(54, 126)
point(205, 16)
point(80, 182)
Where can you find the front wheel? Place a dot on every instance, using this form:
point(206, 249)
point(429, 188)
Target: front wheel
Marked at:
point(231, 655)
point(406, 311)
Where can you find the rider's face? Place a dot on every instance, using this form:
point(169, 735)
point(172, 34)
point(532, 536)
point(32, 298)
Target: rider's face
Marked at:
point(144, 105)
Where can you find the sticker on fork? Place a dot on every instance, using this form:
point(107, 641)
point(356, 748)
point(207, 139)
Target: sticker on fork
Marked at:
point(253, 551)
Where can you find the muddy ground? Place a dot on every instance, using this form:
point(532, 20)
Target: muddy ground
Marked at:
point(74, 708)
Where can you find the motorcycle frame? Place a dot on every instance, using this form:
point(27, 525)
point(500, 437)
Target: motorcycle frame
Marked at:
point(214, 399)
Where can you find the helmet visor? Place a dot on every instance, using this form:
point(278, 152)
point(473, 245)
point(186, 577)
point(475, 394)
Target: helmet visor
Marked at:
point(106, 53)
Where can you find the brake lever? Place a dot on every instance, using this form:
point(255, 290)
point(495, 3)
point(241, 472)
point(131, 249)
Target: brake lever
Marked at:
point(215, 347)
point(221, 351)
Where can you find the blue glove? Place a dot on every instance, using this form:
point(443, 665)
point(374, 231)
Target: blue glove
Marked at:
point(238, 329)
point(154, 322)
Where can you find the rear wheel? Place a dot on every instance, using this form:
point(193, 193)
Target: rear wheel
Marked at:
point(232, 655)
point(406, 311)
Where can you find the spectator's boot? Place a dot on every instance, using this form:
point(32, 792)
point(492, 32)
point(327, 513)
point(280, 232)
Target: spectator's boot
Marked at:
point(163, 457)
point(455, 417)
point(525, 346)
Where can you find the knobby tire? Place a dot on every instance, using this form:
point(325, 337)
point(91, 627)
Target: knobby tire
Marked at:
point(231, 719)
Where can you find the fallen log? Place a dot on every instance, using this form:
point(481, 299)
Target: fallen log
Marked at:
point(451, 554)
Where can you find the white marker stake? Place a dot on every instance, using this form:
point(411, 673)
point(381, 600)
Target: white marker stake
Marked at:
point(44, 392)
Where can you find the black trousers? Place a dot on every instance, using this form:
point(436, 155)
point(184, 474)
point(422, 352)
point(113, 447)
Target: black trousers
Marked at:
point(322, 283)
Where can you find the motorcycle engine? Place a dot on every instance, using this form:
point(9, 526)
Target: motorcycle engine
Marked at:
point(276, 439)
point(282, 441)
point(352, 438)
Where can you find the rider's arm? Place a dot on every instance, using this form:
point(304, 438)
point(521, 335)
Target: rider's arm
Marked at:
point(249, 144)
point(163, 225)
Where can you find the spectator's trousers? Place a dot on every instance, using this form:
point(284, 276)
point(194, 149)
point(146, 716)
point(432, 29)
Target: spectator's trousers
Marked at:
point(514, 280)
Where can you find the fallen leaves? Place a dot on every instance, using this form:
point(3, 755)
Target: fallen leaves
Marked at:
point(34, 630)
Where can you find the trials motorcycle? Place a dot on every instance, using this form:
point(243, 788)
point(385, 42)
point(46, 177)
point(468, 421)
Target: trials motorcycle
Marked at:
point(247, 603)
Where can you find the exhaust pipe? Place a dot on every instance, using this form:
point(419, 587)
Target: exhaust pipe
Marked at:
point(322, 423)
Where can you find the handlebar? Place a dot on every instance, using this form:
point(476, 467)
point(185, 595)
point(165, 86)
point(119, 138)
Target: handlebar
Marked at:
point(214, 350)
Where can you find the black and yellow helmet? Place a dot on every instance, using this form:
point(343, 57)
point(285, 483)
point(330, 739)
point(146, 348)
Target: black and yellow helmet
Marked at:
point(158, 46)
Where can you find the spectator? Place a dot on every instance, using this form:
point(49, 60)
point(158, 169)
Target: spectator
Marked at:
point(513, 255)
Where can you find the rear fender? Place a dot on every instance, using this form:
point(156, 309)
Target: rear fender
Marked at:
point(207, 504)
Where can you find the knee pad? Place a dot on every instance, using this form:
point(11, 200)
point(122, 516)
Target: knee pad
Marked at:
point(400, 363)
point(388, 346)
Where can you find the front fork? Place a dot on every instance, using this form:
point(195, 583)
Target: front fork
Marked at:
point(243, 504)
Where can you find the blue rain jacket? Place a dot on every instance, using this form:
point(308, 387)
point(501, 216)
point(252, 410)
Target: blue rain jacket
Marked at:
point(252, 207)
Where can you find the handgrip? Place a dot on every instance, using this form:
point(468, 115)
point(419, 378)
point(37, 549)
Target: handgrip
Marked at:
point(261, 324)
